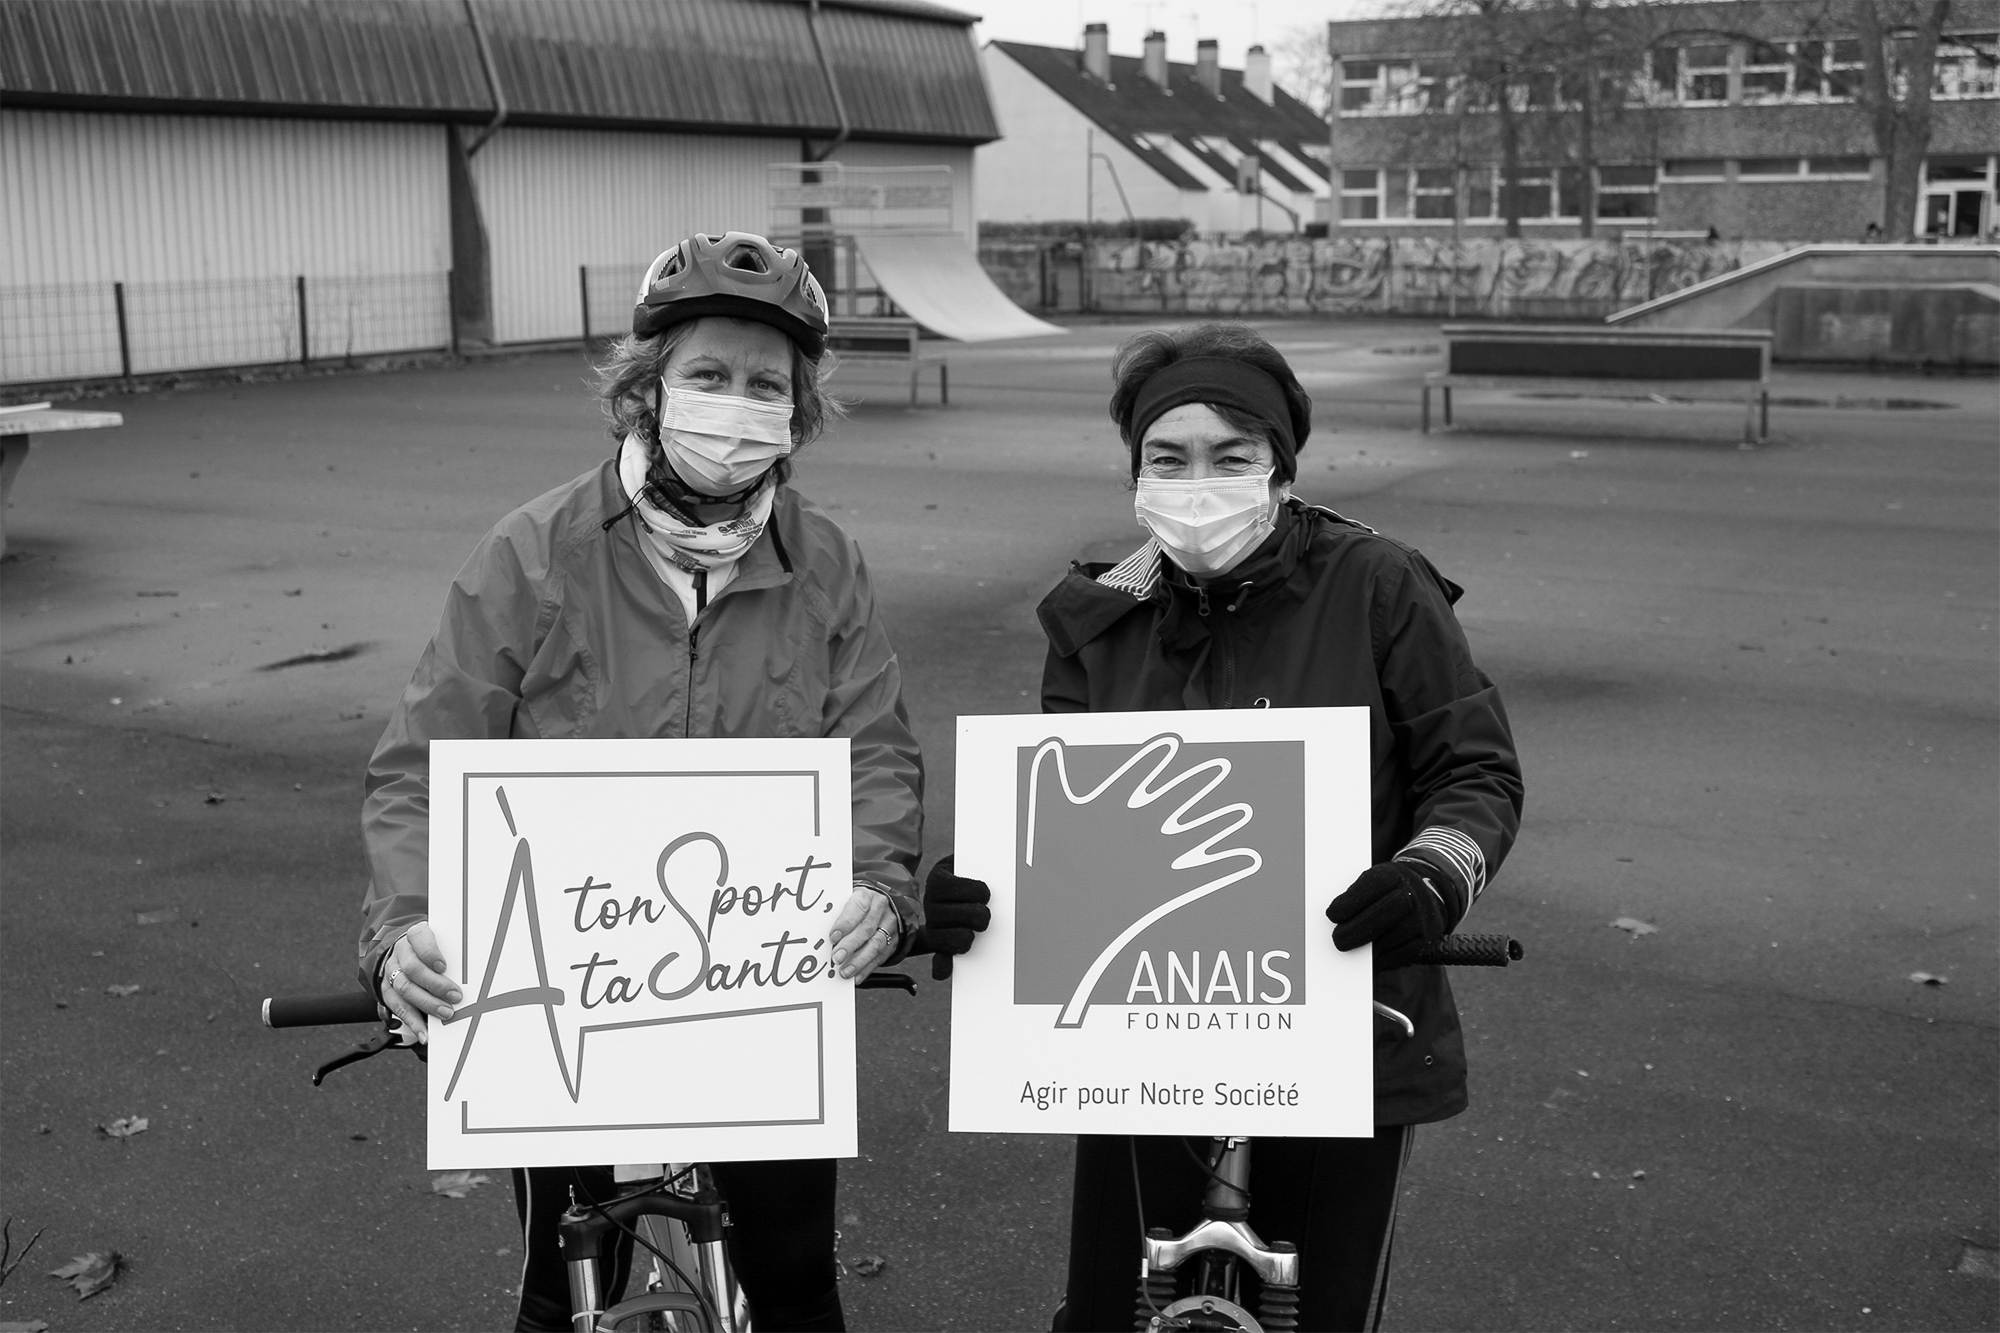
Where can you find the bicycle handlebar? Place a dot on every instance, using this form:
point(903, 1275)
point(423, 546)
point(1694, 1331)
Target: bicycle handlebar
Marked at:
point(1472, 951)
point(357, 1006)
point(309, 1011)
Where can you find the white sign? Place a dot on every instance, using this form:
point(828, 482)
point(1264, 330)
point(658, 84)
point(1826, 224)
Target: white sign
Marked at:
point(640, 931)
point(1160, 961)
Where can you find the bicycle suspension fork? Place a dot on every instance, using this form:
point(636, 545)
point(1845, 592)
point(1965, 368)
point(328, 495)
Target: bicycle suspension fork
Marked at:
point(1224, 1233)
point(585, 1230)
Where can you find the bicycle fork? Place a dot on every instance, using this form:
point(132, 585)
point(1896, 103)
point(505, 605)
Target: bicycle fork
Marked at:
point(711, 1304)
point(1223, 1234)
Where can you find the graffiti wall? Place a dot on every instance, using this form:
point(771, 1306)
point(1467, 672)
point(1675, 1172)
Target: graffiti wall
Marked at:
point(1584, 279)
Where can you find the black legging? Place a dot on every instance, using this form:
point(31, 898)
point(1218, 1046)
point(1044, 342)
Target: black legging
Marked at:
point(1333, 1198)
point(780, 1242)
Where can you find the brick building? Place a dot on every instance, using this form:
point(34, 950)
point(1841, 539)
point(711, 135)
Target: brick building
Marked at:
point(1739, 117)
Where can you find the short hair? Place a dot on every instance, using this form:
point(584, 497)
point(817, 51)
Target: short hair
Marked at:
point(628, 379)
point(1143, 355)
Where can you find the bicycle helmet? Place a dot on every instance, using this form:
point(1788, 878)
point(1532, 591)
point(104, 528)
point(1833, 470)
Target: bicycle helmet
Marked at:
point(736, 274)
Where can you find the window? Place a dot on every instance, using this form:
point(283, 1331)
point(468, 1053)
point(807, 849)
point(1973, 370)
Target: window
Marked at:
point(1767, 72)
point(1844, 68)
point(1480, 193)
point(1695, 168)
point(1434, 192)
point(1532, 193)
point(1838, 168)
point(1398, 86)
point(1569, 193)
point(1360, 85)
point(1705, 74)
point(1627, 192)
point(1361, 195)
point(1966, 66)
point(1768, 168)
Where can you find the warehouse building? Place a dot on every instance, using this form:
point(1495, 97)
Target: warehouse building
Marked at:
point(218, 182)
point(1740, 120)
point(1095, 137)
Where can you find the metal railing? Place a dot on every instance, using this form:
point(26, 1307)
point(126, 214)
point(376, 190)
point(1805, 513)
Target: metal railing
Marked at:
point(108, 329)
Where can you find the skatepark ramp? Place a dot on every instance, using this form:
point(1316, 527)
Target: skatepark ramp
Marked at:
point(936, 280)
point(1928, 305)
point(897, 233)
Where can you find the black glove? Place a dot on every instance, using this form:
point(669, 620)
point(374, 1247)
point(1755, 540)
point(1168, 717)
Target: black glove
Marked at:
point(954, 911)
point(1399, 907)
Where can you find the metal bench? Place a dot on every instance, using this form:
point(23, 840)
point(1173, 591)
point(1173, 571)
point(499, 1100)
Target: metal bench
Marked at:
point(1582, 358)
point(853, 338)
point(19, 426)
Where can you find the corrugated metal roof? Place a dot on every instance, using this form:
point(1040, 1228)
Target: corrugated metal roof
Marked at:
point(907, 70)
point(1133, 105)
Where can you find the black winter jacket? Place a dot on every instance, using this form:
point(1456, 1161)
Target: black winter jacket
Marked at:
point(1326, 613)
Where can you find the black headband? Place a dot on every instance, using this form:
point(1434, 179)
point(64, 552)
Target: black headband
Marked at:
point(1218, 381)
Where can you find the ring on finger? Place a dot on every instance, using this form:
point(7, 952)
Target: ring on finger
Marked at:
point(395, 978)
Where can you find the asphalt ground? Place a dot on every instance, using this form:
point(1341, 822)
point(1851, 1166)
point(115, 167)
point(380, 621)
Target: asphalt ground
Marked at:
point(1755, 696)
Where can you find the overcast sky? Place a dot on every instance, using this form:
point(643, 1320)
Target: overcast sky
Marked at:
point(1234, 23)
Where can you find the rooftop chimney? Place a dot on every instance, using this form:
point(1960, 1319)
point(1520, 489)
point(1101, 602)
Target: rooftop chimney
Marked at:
point(1097, 51)
point(1257, 74)
point(1156, 59)
point(1208, 66)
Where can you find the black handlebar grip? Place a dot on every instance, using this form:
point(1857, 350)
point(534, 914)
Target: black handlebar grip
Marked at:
point(1472, 951)
point(311, 1011)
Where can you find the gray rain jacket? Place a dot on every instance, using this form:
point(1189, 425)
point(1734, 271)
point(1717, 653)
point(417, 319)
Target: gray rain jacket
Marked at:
point(558, 627)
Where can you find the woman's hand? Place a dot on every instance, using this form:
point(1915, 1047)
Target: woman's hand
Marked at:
point(864, 933)
point(414, 984)
point(955, 910)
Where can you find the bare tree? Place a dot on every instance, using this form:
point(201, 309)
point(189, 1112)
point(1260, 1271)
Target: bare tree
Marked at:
point(1521, 78)
point(1305, 66)
point(1896, 44)
point(1899, 41)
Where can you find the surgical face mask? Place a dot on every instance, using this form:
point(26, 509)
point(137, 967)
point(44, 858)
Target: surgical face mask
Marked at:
point(1207, 525)
point(719, 443)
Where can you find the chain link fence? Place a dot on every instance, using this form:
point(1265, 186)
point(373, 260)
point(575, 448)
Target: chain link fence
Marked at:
point(98, 330)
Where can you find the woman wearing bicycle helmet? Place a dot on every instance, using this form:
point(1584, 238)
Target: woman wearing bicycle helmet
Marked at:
point(1243, 597)
point(681, 588)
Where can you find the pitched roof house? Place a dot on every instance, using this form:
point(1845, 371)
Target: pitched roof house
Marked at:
point(1096, 137)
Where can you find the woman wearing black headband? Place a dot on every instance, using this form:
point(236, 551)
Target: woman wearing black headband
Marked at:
point(1243, 597)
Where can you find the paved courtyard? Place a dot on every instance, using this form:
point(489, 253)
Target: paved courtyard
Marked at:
point(1755, 695)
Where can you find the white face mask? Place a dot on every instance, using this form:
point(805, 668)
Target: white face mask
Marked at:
point(1207, 525)
point(719, 443)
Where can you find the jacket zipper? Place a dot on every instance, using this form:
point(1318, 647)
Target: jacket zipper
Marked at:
point(687, 722)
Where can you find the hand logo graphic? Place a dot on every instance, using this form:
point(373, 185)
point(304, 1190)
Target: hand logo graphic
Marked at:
point(1217, 866)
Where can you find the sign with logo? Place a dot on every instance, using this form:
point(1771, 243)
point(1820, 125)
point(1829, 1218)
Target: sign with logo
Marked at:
point(1159, 960)
point(640, 931)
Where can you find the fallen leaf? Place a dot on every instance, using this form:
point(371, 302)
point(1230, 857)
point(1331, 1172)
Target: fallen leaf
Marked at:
point(1636, 926)
point(159, 916)
point(120, 992)
point(214, 798)
point(1977, 1260)
point(124, 1127)
point(868, 1265)
point(1926, 979)
point(457, 1184)
point(91, 1273)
